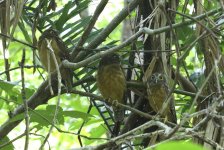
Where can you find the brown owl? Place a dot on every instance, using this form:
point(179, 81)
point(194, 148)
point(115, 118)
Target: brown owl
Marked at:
point(112, 84)
point(60, 52)
point(158, 93)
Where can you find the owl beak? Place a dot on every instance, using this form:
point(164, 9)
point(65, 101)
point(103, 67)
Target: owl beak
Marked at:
point(156, 81)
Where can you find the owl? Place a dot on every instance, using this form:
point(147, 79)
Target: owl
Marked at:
point(112, 83)
point(158, 93)
point(60, 52)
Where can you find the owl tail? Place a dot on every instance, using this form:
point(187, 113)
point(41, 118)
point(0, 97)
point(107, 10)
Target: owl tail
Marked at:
point(118, 117)
point(171, 117)
point(118, 114)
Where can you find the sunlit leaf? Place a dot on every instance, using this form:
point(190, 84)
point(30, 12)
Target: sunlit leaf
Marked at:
point(77, 114)
point(7, 86)
point(179, 145)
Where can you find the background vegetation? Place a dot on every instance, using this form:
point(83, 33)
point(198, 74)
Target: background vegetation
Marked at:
point(193, 48)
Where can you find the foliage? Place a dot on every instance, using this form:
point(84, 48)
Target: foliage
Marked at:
point(178, 145)
point(79, 120)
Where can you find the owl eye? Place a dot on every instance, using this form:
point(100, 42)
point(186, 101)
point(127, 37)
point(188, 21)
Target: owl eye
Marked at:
point(152, 77)
point(161, 77)
point(115, 56)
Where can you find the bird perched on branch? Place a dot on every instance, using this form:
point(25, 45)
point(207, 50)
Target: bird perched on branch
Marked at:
point(158, 93)
point(60, 52)
point(112, 84)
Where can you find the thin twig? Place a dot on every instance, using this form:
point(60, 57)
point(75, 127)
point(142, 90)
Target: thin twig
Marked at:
point(14, 39)
point(52, 54)
point(15, 139)
point(192, 18)
point(15, 68)
point(48, 52)
point(120, 139)
point(93, 58)
point(27, 130)
point(199, 92)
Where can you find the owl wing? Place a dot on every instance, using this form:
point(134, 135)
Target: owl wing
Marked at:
point(62, 51)
point(64, 54)
point(172, 112)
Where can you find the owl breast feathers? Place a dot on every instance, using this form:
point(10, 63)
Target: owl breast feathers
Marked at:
point(111, 82)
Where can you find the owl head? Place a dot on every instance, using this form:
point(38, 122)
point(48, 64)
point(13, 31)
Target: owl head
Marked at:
point(109, 59)
point(157, 79)
point(49, 33)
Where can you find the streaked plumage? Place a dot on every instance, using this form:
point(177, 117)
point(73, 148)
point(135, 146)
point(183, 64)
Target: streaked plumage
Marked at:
point(112, 83)
point(60, 51)
point(158, 93)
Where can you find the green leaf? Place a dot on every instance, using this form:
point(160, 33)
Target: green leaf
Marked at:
point(185, 33)
point(173, 60)
point(17, 117)
point(29, 92)
point(98, 131)
point(24, 30)
point(2, 102)
point(92, 35)
point(68, 12)
point(76, 26)
point(64, 17)
point(45, 118)
point(179, 145)
point(7, 86)
point(8, 146)
point(42, 117)
point(76, 114)
point(52, 108)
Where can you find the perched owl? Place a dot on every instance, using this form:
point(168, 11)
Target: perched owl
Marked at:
point(112, 84)
point(60, 52)
point(158, 93)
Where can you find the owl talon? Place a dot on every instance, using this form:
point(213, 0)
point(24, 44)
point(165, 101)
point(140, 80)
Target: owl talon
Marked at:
point(154, 118)
point(157, 117)
point(109, 100)
point(114, 103)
